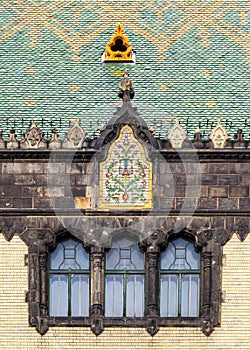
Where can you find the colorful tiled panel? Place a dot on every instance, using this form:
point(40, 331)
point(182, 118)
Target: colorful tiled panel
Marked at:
point(126, 175)
point(192, 62)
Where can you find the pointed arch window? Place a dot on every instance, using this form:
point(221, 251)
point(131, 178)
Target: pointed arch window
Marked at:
point(124, 280)
point(180, 280)
point(69, 280)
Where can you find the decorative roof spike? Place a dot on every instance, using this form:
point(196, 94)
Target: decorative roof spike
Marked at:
point(118, 48)
point(33, 137)
point(126, 88)
point(2, 144)
point(12, 141)
point(54, 142)
point(176, 135)
point(219, 135)
point(75, 136)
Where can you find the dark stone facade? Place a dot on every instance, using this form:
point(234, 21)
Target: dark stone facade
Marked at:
point(200, 193)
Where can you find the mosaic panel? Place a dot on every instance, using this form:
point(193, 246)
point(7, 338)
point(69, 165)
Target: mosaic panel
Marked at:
point(126, 175)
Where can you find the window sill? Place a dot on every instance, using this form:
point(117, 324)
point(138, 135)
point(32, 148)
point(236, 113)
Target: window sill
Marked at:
point(125, 321)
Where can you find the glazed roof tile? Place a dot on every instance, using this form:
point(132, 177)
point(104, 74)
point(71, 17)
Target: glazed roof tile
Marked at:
point(50, 68)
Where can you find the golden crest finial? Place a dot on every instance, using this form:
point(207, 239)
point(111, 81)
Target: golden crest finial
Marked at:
point(119, 29)
point(118, 48)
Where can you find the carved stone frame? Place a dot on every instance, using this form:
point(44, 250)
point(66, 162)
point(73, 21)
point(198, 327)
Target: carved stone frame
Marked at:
point(209, 242)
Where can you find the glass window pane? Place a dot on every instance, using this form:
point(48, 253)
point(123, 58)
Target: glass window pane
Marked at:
point(80, 295)
point(82, 257)
point(56, 257)
point(114, 296)
point(58, 295)
point(169, 296)
point(112, 259)
point(190, 296)
point(135, 296)
point(137, 258)
point(69, 254)
point(193, 257)
point(168, 257)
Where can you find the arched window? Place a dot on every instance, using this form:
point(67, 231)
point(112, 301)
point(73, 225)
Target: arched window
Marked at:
point(69, 280)
point(180, 280)
point(124, 280)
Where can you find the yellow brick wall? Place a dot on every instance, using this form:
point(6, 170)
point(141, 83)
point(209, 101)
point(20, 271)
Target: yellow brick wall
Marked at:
point(15, 332)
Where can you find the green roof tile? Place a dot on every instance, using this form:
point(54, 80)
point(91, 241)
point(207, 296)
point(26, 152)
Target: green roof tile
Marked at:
point(196, 71)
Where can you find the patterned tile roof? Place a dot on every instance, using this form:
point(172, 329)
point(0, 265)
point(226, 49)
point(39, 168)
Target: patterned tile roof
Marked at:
point(192, 62)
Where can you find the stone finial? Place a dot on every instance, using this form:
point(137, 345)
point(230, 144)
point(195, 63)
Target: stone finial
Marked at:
point(2, 144)
point(12, 141)
point(118, 48)
point(54, 142)
point(239, 141)
point(126, 88)
point(176, 135)
point(75, 136)
point(219, 135)
point(33, 137)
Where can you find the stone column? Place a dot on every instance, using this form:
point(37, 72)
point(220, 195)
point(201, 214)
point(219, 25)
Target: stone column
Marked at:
point(97, 289)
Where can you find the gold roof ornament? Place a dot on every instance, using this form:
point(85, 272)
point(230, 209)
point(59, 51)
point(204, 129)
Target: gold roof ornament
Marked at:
point(118, 48)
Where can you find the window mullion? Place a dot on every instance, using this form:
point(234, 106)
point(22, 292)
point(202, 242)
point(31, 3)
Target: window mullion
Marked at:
point(124, 292)
point(69, 293)
point(180, 277)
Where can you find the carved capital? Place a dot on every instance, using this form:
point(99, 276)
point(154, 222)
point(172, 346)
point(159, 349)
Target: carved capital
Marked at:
point(97, 259)
point(204, 237)
point(41, 237)
point(155, 243)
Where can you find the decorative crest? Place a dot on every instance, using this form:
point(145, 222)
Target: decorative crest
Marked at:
point(219, 135)
point(33, 137)
point(176, 135)
point(75, 136)
point(126, 88)
point(118, 48)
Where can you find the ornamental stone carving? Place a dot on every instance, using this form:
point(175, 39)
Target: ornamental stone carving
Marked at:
point(75, 136)
point(33, 138)
point(219, 135)
point(10, 226)
point(176, 135)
